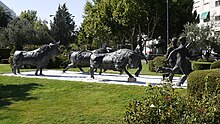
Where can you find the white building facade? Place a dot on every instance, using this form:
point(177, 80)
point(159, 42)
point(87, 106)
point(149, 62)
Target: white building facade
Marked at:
point(7, 9)
point(208, 12)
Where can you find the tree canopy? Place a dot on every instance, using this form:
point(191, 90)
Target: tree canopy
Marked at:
point(5, 17)
point(25, 29)
point(63, 26)
point(120, 21)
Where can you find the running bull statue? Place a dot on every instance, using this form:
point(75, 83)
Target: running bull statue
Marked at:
point(82, 58)
point(39, 57)
point(117, 61)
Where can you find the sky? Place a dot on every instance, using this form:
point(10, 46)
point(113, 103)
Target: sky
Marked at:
point(45, 8)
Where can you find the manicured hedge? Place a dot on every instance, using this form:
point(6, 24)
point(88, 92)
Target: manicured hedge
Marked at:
point(5, 53)
point(158, 61)
point(201, 80)
point(215, 65)
point(163, 105)
point(200, 65)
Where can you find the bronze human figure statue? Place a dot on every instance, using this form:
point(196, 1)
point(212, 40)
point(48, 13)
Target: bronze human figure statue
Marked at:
point(181, 54)
point(172, 60)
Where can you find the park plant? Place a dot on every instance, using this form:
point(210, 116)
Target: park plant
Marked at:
point(164, 105)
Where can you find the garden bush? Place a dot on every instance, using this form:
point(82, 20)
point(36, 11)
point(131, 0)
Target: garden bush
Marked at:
point(163, 105)
point(215, 65)
point(158, 61)
point(200, 65)
point(198, 80)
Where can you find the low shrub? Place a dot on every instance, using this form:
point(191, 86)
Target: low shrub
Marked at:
point(197, 80)
point(163, 105)
point(200, 65)
point(4, 53)
point(158, 61)
point(215, 65)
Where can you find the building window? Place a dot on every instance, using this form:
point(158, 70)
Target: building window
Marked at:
point(217, 18)
point(217, 3)
point(205, 16)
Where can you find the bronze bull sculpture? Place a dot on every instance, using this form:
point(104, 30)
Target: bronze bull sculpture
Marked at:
point(117, 61)
point(39, 57)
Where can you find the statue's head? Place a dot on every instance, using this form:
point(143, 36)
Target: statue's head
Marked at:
point(54, 48)
point(133, 60)
point(182, 40)
point(174, 41)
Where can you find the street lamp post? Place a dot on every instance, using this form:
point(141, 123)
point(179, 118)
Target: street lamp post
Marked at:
point(167, 23)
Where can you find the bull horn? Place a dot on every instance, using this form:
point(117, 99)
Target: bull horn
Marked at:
point(58, 42)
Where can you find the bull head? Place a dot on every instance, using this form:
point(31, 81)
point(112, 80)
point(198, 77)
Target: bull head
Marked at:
point(133, 60)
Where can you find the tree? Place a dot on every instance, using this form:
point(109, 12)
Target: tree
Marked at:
point(5, 17)
point(25, 31)
point(63, 26)
point(119, 21)
point(203, 37)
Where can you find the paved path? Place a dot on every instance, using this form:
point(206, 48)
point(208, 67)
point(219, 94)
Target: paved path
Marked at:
point(142, 80)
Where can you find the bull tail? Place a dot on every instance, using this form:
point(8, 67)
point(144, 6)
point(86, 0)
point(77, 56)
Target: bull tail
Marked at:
point(69, 55)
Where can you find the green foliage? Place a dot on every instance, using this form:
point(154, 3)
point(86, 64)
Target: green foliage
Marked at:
point(163, 105)
point(120, 21)
point(5, 17)
point(215, 65)
point(60, 61)
point(30, 15)
point(202, 37)
point(63, 26)
point(200, 65)
point(197, 81)
point(158, 61)
point(20, 32)
point(201, 60)
point(5, 53)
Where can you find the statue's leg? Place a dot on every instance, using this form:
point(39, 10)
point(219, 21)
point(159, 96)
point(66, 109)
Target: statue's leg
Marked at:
point(41, 71)
point(100, 72)
point(185, 70)
point(126, 71)
point(14, 69)
point(36, 71)
point(139, 69)
point(18, 69)
point(92, 72)
point(174, 70)
point(121, 72)
point(80, 68)
point(69, 66)
point(182, 80)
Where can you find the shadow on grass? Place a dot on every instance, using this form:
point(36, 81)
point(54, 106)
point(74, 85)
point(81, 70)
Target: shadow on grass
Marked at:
point(13, 93)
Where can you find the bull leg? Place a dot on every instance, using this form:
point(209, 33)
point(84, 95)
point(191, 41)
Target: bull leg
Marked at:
point(36, 71)
point(41, 71)
point(92, 72)
point(14, 69)
point(18, 69)
point(121, 72)
point(80, 68)
point(130, 76)
point(69, 66)
point(139, 70)
point(100, 72)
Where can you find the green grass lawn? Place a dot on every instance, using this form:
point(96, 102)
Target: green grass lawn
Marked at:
point(43, 101)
